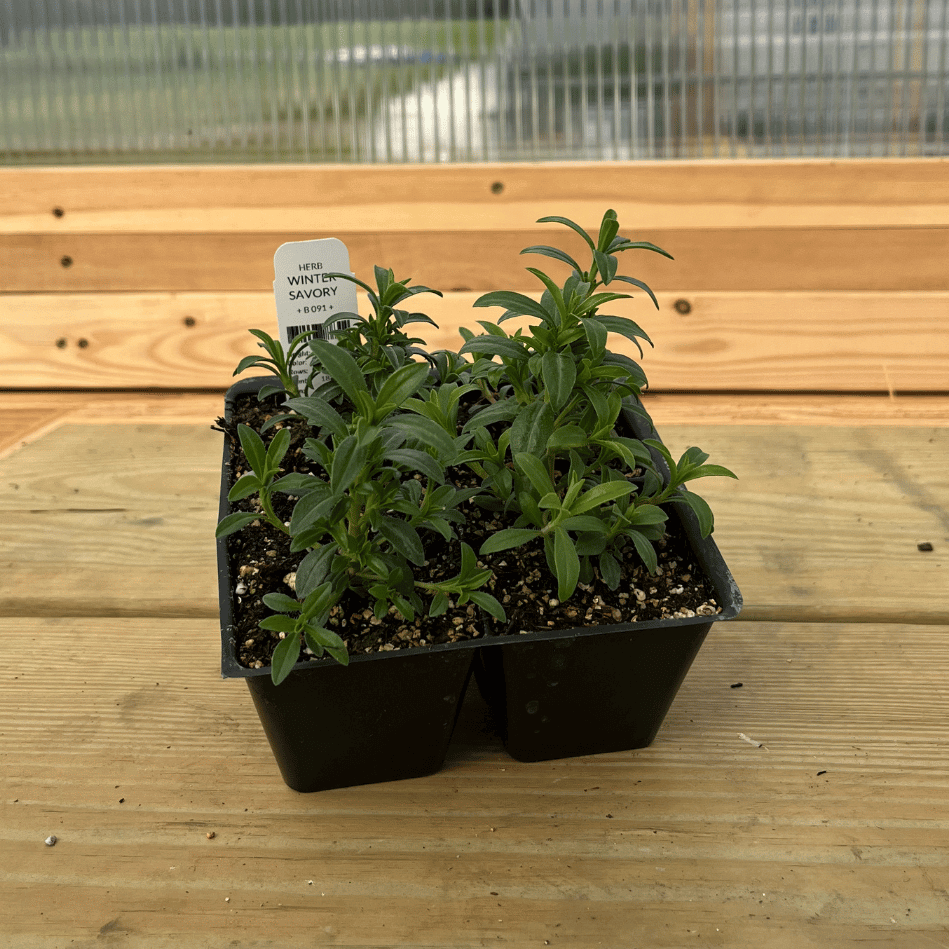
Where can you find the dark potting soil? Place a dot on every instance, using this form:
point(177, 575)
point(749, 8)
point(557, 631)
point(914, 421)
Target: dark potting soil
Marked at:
point(261, 562)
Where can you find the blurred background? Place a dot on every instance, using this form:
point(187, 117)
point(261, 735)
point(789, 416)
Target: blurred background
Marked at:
point(126, 81)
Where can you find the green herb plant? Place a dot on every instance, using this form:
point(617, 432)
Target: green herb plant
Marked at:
point(558, 465)
point(540, 419)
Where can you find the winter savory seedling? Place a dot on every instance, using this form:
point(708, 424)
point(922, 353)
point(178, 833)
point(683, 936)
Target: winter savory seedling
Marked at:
point(417, 476)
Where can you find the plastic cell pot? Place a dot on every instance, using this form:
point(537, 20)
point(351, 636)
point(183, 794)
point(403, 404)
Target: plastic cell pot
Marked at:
point(385, 717)
point(592, 690)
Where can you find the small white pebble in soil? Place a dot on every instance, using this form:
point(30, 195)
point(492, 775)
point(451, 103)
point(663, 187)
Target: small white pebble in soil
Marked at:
point(291, 580)
point(241, 588)
point(639, 594)
point(553, 602)
point(51, 840)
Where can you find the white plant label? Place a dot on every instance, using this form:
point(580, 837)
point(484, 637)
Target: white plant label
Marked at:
point(307, 296)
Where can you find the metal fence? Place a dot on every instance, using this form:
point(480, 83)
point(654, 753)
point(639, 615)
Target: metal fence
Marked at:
point(470, 80)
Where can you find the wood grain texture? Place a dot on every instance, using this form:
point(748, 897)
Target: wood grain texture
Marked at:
point(833, 834)
point(29, 415)
point(885, 342)
point(823, 523)
point(819, 257)
point(794, 192)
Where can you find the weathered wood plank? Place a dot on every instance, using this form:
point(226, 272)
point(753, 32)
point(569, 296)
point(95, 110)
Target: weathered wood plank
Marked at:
point(111, 520)
point(805, 258)
point(824, 522)
point(831, 834)
point(884, 342)
point(796, 193)
point(27, 416)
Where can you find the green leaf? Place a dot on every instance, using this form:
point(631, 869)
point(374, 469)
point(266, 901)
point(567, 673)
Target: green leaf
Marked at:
point(708, 471)
point(605, 265)
point(491, 345)
point(281, 603)
point(501, 411)
point(489, 604)
point(244, 487)
point(702, 511)
point(277, 450)
point(532, 428)
point(644, 514)
point(403, 383)
point(625, 327)
point(341, 367)
point(536, 472)
point(313, 569)
point(253, 448)
point(596, 337)
point(571, 225)
point(553, 252)
point(555, 293)
point(298, 484)
point(425, 431)
point(310, 509)
point(601, 494)
point(249, 361)
point(279, 623)
point(566, 437)
point(608, 229)
point(610, 570)
point(285, 657)
point(566, 563)
point(507, 539)
point(639, 245)
point(516, 302)
point(641, 285)
point(584, 522)
point(325, 638)
point(645, 550)
point(320, 413)
point(348, 461)
point(233, 523)
point(559, 373)
point(414, 460)
point(404, 538)
point(550, 502)
point(439, 605)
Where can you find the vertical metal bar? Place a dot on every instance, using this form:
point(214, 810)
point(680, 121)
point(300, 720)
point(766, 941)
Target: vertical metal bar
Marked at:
point(650, 68)
point(685, 100)
point(703, 79)
point(769, 95)
point(753, 74)
point(922, 96)
point(665, 51)
point(482, 83)
point(915, 38)
point(939, 133)
point(8, 103)
point(40, 23)
point(448, 83)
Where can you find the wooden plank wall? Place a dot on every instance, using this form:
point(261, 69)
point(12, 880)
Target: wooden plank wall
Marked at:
point(811, 275)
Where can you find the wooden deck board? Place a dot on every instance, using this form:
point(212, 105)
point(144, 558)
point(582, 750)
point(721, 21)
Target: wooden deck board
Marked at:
point(816, 258)
point(884, 342)
point(832, 834)
point(794, 192)
point(824, 522)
